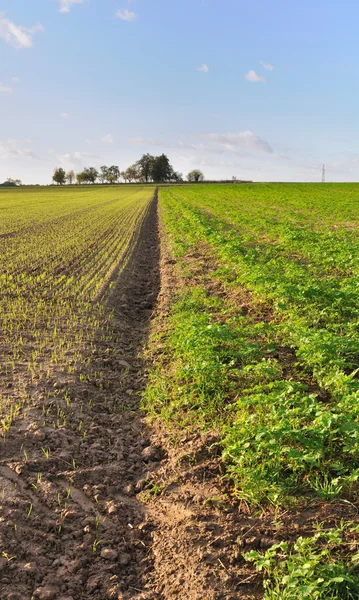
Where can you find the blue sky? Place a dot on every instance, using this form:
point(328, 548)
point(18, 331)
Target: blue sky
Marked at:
point(259, 89)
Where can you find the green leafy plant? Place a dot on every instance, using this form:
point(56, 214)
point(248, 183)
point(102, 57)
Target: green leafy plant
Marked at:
point(317, 567)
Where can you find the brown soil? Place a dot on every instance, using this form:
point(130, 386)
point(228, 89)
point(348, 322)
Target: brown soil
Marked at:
point(98, 505)
point(71, 525)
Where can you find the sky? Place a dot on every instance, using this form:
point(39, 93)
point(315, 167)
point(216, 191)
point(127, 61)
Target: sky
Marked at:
point(265, 90)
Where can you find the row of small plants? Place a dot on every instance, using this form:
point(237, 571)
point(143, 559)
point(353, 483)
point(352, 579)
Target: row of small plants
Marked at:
point(264, 346)
point(59, 251)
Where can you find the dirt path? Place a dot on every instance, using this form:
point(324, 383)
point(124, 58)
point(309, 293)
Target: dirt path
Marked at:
point(71, 526)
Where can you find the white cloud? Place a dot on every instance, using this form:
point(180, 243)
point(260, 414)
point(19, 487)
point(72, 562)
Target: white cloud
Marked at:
point(267, 66)
point(64, 115)
point(73, 159)
point(243, 143)
point(16, 35)
point(203, 68)
point(15, 79)
point(142, 141)
point(246, 141)
point(5, 89)
point(126, 15)
point(65, 5)
point(253, 77)
point(107, 139)
point(15, 149)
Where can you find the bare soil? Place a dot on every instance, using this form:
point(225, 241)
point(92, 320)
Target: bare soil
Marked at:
point(71, 525)
point(108, 507)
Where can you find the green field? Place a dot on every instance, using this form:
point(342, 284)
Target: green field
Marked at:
point(251, 342)
point(263, 337)
point(273, 350)
point(61, 251)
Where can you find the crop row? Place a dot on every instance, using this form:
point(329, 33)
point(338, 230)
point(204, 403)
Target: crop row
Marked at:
point(283, 374)
point(262, 345)
point(59, 251)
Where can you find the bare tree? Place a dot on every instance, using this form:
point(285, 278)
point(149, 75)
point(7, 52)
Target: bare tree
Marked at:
point(70, 176)
point(132, 173)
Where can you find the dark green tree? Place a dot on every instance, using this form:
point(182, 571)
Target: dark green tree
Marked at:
point(177, 177)
point(195, 176)
point(162, 169)
point(113, 174)
point(145, 166)
point(90, 175)
point(59, 176)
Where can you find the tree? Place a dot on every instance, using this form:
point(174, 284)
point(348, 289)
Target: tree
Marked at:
point(113, 174)
point(12, 182)
point(124, 175)
point(59, 176)
point(195, 176)
point(145, 166)
point(104, 174)
point(70, 176)
point(90, 175)
point(80, 178)
point(178, 177)
point(162, 169)
point(110, 174)
point(132, 173)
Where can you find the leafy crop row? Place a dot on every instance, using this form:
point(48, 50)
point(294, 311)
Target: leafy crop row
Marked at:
point(262, 344)
point(293, 428)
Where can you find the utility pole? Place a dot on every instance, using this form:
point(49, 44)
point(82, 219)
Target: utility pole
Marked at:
point(323, 174)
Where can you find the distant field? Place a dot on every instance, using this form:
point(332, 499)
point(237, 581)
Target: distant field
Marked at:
point(60, 250)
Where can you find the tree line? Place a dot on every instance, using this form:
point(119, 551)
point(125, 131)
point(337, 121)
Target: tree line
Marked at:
point(11, 182)
point(148, 169)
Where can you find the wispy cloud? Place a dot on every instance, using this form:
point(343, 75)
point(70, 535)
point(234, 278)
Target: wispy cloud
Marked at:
point(14, 149)
point(15, 79)
point(142, 141)
point(253, 77)
point(126, 15)
point(66, 5)
point(107, 139)
point(203, 68)
point(5, 89)
point(267, 66)
point(64, 115)
point(242, 140)
point(17, 35)
point(73, 159)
